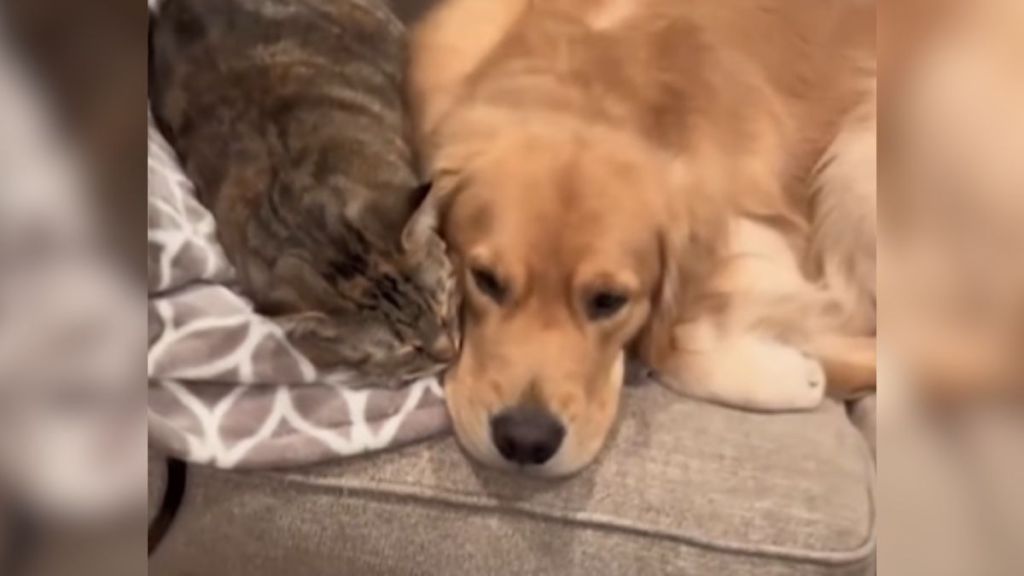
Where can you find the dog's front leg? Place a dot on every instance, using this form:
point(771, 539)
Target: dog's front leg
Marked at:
point(736, 356)
point(741, 368)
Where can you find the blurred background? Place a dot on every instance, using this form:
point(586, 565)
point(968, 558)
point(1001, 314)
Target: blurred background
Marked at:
point(951, 287)
point(72, 297)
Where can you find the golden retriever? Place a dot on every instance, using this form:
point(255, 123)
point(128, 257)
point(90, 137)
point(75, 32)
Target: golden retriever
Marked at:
point(689, 182)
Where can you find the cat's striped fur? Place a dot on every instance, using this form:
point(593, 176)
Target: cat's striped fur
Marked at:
point(288, 116)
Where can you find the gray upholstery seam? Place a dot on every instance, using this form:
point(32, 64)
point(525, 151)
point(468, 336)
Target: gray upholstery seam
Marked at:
point(437, 497)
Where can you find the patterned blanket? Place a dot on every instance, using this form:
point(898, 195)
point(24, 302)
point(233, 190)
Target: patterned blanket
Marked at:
point(225, 387)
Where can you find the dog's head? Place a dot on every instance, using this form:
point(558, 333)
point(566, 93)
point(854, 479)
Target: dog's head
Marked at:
point(561, 239)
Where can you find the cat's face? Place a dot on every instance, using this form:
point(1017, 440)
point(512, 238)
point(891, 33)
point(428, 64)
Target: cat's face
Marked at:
point(387, 316)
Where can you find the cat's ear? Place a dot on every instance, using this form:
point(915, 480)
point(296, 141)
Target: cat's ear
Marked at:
point(434, 198)
point(419, 195)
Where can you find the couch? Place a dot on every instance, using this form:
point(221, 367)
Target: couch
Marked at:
point(683, 488)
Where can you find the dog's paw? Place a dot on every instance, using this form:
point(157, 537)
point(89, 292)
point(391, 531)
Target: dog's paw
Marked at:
point(787, 378)
point(810, 391)
point(755, 374)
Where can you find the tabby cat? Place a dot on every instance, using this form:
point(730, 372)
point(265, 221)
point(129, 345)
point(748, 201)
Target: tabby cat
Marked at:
point(289, 118)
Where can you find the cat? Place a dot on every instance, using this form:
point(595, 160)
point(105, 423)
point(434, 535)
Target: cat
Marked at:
point(289, 118)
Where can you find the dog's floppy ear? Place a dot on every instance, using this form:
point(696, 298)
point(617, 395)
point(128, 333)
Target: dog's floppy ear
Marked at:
point(655, 342)
point(687, 252)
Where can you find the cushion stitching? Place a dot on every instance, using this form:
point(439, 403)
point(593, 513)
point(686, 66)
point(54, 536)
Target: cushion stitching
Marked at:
point(469, 500)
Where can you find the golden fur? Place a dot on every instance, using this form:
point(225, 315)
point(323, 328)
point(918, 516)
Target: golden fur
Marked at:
point(698, 158)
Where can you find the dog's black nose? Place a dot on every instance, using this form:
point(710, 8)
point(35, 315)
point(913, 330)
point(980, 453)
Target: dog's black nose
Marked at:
point(527, 435)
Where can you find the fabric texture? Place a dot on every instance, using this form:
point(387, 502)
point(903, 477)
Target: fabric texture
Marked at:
point(225, 386)
point(683, 488)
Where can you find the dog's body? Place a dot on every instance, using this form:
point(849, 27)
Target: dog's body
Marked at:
point(692, 182)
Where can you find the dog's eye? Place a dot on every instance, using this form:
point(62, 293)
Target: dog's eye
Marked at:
point(489, 284)
point(605, 305)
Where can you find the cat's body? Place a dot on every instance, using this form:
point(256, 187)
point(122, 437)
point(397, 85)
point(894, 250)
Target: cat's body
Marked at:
point(288, 117)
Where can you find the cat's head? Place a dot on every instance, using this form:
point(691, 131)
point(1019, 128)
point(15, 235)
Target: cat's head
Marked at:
point(389, 312)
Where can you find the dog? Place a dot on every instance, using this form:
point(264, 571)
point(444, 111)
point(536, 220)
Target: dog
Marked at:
point(687, 183)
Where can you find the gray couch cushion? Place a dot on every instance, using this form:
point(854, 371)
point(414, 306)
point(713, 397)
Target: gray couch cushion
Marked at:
point(683, 488)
